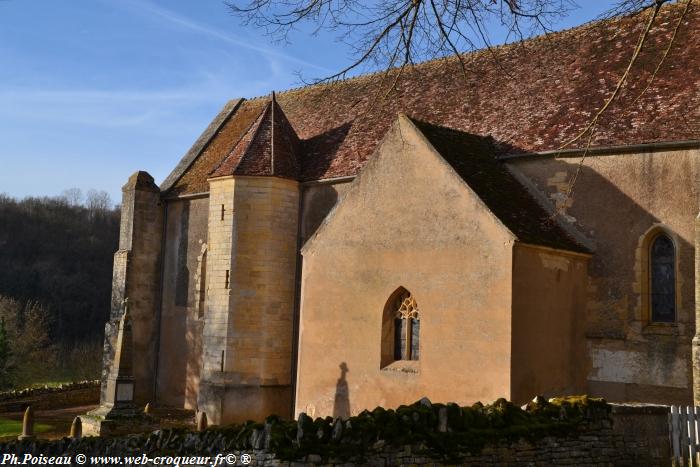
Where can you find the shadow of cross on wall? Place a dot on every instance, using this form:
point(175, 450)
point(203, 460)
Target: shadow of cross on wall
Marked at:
point(341, 404)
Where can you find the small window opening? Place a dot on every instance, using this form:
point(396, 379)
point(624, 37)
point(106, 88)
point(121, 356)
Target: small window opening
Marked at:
point(226, 279)
point(223, 210)
point(662, 279)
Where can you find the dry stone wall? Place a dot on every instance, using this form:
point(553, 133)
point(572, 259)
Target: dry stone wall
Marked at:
point(428, 434)
point(64, 395)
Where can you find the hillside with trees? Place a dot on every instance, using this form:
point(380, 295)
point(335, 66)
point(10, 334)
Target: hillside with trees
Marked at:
point(55, 285)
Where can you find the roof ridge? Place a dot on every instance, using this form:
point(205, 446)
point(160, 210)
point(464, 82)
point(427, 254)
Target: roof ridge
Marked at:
point(473, 53)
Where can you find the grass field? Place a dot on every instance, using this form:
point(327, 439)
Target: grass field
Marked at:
point(14, 427)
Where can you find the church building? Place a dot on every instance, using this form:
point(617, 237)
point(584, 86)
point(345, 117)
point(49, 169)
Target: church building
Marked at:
point(440, 234)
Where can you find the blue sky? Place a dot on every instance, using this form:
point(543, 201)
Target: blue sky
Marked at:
point(93, 90)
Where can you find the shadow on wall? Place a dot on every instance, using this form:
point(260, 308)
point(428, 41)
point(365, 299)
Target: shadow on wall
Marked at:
point(616, 222)
point(341, 404)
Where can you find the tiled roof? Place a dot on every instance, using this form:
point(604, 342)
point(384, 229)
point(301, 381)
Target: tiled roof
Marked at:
point(194, 179)
point(532, 96)
point(473, 158)
point(268, 147)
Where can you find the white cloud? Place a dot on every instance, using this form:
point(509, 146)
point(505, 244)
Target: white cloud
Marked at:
point(186, 23)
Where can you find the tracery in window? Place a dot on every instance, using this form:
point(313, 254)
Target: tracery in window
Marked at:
point(662, 279)
point(406, 328)
point(401, 331)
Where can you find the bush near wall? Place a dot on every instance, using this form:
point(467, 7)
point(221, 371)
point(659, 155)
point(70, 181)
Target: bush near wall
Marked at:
point(577, 429)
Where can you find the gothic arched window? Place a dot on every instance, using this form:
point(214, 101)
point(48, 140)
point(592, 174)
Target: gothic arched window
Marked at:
point(400, 329)
point(406, 328)
point(662, 279)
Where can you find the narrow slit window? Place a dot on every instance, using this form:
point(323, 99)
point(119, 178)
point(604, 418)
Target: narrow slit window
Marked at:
point(662, 280)
point(227, 279)
point(223, 210)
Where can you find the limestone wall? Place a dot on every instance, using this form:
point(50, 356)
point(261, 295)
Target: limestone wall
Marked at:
point(183, 302)
point(549, 302)
point(317, 201)
point(136, 277)
point(251, 275)
point(396, 227)
point(618, 199)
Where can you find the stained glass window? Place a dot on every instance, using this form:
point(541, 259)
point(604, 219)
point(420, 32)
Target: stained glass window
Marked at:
point(662, 259)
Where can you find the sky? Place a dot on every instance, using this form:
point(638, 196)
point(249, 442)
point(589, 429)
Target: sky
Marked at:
point(93, 90)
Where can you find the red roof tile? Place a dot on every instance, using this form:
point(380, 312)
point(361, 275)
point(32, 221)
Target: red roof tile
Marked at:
point(269, 147)
point(535, 96)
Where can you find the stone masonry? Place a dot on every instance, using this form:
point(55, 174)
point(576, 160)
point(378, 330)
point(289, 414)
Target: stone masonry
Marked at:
point(137, 277)
point(251, 271)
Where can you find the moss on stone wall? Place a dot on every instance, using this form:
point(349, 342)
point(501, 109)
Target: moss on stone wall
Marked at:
point(440, 431)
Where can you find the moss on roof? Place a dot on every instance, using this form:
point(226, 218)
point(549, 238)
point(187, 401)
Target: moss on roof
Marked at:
point(530, 96)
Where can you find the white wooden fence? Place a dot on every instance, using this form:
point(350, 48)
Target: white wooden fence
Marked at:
point(684, 424)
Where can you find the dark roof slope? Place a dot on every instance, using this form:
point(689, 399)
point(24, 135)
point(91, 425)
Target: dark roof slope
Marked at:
point(472, 157)
point(532, 96)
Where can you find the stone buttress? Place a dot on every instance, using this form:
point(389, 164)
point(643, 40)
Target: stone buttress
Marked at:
point(135, 279)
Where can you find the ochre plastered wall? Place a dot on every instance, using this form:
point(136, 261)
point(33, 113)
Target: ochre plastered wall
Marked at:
point(549, 306)
point(617, 199)
point(408, 220)
point(249, 321)
point(181, 323)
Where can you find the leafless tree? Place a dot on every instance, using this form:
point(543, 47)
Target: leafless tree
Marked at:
point(397, 33)
point(98, 201)
point(73, 196)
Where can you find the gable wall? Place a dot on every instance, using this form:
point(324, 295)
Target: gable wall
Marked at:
point(408, 221)
point(617, 199)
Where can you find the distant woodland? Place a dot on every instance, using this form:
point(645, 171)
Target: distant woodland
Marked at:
point(55, 285)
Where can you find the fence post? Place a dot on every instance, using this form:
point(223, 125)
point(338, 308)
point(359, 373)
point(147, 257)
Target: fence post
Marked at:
point(676, 434)
point(691, 436)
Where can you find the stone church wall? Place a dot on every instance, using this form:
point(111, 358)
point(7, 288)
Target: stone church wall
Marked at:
point(251, 271)
point(182, 313)
point(619, 198)
point(549, 303)
point(454, 258)
point(317, 201)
